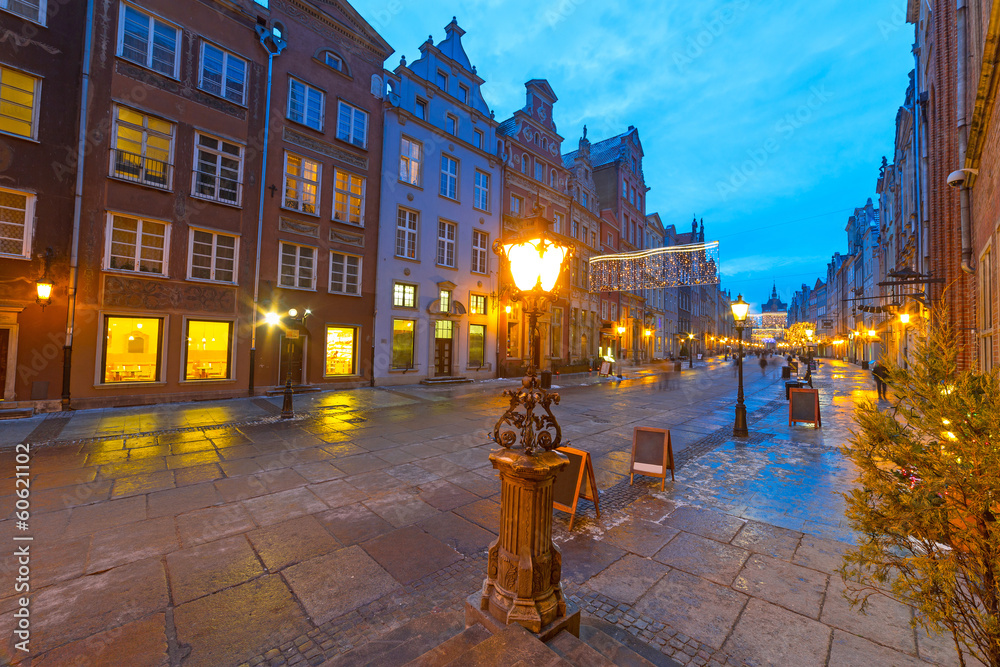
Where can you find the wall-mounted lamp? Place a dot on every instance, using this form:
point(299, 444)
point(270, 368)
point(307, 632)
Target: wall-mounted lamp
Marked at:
point(43, 286)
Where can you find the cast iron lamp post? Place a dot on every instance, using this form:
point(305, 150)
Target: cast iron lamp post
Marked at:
point(690, 350)
point(740, 309)
point(272, 318)
point(524, 568)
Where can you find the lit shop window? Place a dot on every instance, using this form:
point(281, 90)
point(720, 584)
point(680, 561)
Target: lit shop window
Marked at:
point(477, 345)
point(132, 349)
point(209, 349)
point(340, 350)
point(402, 344)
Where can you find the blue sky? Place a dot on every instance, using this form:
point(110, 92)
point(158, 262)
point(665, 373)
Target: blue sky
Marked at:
point(767, 119)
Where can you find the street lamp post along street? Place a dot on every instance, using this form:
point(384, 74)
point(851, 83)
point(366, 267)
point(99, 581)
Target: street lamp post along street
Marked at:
point(740, 309)
point(522, 583)
point(690, 350)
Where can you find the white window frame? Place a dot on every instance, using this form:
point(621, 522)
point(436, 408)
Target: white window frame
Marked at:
point(344, 287)
point(142, 179)
point(519, 201)
point(36, 96)
point(308, 94)
point(446, 240)
point(478, 139)
point(410, 166)
point(301, 182)
point(472, 300)
point(298, 265)
point(539, 171)
point(219, 155)
point(27, 233)
point(353, 112)
point(39, 18)
point(152, 19)
point(340, 61)
point(214, 256)
point(164, 261)
point(480, 253)
point(464, 94)
point(410, 231)
point(227, 57)
point(557, 223)
point(345, 216)
point(481, 191)
point(402, 302)
point(451, 124)
point(421, 107)
point(449, 178)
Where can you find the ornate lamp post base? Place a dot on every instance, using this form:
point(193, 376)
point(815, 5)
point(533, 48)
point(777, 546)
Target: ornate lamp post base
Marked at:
point(524, 571)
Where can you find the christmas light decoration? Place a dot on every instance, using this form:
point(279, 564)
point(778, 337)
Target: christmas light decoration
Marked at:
point(674, 266)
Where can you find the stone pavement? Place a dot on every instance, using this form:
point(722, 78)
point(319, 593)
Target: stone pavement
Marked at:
point(215, 534)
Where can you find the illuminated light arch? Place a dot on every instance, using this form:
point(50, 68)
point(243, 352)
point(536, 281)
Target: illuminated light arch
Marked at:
point(673, 266)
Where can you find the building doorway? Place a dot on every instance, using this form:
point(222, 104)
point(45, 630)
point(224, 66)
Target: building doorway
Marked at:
point(292, 358)
point(4, 352)
point(443, 347)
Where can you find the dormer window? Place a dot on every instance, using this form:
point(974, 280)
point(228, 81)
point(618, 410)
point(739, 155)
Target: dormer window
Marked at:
point(334, 61)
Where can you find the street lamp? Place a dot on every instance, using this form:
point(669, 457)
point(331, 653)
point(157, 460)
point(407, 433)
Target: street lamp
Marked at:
point(43, 286)
point(740, 309)
point(522, 584)
point(272, 318)
point(690, 350)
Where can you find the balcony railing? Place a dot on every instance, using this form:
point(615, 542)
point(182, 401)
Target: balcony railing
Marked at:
point(141, 169)
point(217, 188)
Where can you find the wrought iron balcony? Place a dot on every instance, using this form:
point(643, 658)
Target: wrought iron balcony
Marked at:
point(141, 169)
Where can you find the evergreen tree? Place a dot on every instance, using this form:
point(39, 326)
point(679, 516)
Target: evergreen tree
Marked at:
point(929, 488)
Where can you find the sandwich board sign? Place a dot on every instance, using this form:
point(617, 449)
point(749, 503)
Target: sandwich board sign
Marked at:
point(652, 454)
point(573, 482)
point(803, 406)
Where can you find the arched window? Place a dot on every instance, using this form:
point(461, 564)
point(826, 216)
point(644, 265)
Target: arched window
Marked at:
point(552, 178)
point(536, 138)
point(333, 60)
point(524, 163)
point(545, 142)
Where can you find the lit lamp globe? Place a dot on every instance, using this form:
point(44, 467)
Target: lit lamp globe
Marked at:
point(904, 318)
point(535, 264)
point(740, 310)
point(43, 290)
point(621, 330)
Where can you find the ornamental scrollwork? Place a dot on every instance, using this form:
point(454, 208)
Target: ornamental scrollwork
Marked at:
point(536, 427)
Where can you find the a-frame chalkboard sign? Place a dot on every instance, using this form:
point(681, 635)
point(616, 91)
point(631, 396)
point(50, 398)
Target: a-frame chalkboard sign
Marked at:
point(573, 482)
point(803, 406)
point(652, 454)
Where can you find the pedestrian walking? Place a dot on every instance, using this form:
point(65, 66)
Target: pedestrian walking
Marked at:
point(763, 365)
point(879, 372)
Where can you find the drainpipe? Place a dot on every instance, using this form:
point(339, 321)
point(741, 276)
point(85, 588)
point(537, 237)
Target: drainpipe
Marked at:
point(274, 44)
point(918, 199)
point(88, 45)
point(963, 136)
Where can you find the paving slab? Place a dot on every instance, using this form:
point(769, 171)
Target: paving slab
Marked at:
point(443, 495)
point(694, 606)
point(116, 546)
point(330, 586)
point(770, 540)
point(294, 541)
point(212, 523)
point(142, 643)
point(283, 505)
point(172, 502)
point(583, 557)
point(770, 635)
point(641, 537)
point(703, 557)
point(853, 651)
point(713, 525)
point(461, 535)
point(337, 492)
point(820, 554)
point(204, 569)
point(791, 586)
point(485, 513)
point(409, 553)
point(886, 622)
point(82, 607)
point(628, 578)
point(236, 623)
point(352, 524)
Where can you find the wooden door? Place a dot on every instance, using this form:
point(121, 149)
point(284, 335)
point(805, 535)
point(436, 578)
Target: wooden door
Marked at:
point(4, 349)
point(291, 360)
point(442, 348)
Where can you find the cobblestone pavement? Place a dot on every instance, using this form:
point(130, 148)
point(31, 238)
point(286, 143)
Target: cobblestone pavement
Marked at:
point(219, 535)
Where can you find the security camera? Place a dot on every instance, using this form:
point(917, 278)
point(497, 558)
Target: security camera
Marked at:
point(957, 178)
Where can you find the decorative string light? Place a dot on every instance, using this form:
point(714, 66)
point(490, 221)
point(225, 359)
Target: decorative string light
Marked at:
point(674, 266)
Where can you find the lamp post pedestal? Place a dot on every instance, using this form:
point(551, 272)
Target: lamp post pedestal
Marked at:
point(524, 569)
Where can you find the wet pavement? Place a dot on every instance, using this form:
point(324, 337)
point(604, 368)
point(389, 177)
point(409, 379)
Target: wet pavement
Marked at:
point(218, 534)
